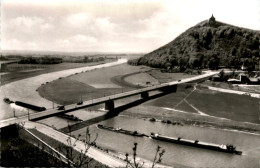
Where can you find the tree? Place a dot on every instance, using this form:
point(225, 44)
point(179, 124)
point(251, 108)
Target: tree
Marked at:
point(213, 62)
point(134, 164)
point(182, 62)
point(78, 159)
point(221, 75)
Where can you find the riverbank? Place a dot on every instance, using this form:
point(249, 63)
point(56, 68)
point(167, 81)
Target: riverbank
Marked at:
point(186, 118)
point(27, 71)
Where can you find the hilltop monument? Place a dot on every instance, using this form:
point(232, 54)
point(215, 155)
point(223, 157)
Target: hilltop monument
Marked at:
point(212, 21)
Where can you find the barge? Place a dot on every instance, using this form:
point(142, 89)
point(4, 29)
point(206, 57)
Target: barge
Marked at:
point(30, 106)
point(120, 130)
point(196, 143)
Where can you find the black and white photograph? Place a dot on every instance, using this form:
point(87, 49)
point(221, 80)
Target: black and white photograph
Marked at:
point(130, 83)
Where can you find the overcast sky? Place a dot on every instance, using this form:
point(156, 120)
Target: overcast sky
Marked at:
point(110, 25)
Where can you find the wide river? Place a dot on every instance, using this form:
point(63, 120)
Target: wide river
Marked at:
point(179, 155)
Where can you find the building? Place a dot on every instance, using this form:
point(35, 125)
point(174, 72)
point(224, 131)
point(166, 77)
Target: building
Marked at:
point(243, 79)
point(212, 21)
point(255, 80)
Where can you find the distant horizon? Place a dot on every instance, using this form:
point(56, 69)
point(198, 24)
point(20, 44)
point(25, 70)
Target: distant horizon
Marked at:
point(110, 26)
point(66, 52)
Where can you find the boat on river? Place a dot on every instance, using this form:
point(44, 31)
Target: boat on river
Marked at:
point(196, 143)
point(30, 106)
point(8, 101)
point(120, 130)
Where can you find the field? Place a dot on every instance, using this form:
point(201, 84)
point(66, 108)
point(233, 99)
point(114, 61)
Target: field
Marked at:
point(224, 105)
point(142, 79)
point(87, 85)
point(101, 78)
point(167, 77)
point(235, 107)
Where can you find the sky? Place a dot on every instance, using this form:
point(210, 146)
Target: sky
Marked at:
point(119, 26)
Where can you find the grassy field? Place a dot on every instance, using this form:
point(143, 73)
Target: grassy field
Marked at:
point(235, 107)
point(66, 91)
point(167, 77)
point(88, 85)
point(224, 105)
point(142, 79)
point(101, 78)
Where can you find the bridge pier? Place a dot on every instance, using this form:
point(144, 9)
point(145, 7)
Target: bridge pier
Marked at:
point(173, 88)
point(109, 105)
point(169, 89)
point(144, 95)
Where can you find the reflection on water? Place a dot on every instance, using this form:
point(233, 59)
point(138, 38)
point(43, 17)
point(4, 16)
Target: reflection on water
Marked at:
point(179, 154)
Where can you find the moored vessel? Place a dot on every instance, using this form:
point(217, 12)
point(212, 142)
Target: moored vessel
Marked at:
point(196, 143)
point(120, 130)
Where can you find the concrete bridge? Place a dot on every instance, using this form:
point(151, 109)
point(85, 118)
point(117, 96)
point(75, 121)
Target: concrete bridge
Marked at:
point(108, 100)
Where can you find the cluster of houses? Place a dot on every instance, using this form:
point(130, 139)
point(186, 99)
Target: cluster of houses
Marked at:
point(241, 78)
point(245, 79)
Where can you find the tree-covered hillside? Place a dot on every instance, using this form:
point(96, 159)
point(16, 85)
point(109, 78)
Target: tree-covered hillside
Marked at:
point(209, 44)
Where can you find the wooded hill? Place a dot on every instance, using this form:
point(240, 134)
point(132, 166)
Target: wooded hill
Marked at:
point(209, 44)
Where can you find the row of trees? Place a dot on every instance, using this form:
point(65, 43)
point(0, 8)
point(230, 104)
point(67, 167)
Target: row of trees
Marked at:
point(93, 59)
point(40, 60)
point(200, 61)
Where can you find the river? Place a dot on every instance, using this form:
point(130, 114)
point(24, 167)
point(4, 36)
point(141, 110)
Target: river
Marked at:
point(179, 155)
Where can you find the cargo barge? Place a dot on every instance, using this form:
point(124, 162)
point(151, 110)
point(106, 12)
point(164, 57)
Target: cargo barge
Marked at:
point(30, 106)
point(196, 143)
point(120, 130)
